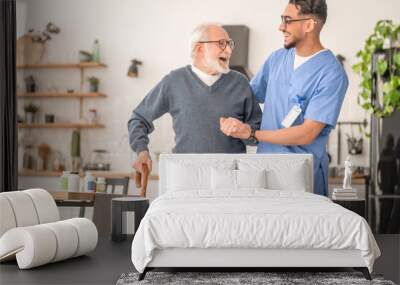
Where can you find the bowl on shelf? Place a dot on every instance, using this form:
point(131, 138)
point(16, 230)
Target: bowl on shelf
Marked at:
point(99, 160)
point(85, 56)
point(97, 166)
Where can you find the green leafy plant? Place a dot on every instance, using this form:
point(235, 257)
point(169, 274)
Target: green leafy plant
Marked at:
point(93, 80)
point(94, 84)
point(388, 67)
point(31, 108)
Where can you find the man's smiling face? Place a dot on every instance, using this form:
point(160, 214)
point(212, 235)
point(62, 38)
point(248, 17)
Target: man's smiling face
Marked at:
point(216, 58)
point(293, 32)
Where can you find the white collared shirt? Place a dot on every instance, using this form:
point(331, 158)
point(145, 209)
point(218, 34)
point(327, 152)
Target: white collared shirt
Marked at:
point(206, 78)
point(299, 60)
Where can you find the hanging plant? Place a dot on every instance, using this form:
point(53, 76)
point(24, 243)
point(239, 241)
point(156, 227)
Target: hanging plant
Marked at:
point(386, 34)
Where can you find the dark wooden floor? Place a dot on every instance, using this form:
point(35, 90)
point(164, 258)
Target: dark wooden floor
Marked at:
point(103, 266)
point(110, 260)
point(389, 262)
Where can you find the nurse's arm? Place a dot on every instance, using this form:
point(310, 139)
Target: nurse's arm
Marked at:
point(302, 134)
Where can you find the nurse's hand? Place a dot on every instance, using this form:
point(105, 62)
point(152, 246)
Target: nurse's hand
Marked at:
point(234, 128)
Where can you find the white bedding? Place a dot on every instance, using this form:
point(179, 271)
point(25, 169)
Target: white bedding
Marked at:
point(251, 218)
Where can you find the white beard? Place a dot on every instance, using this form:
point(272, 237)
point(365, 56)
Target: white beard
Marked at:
point(214, 64)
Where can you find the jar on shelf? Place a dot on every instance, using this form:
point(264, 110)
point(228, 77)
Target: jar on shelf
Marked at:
point(92, 116)
point(100, 159)
point(29, 160)
point(73, 182)
point(101, 185)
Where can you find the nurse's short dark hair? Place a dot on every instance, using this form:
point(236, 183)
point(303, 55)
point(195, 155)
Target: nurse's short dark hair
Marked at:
point(317, 8)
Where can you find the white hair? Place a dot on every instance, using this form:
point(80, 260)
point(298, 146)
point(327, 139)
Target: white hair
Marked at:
point(200, 34)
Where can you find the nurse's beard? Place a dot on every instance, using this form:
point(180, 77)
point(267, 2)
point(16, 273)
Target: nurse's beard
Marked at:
point(214, 64)
point(290, 45)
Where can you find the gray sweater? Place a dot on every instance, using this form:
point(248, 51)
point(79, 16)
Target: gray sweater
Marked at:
point(196, 110)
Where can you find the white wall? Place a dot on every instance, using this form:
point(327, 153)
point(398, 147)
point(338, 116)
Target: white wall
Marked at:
point(21, 16)
point(156, 32)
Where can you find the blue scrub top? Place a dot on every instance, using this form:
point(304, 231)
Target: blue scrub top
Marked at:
point(318, 86)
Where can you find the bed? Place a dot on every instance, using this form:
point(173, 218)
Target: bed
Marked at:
point(247, 210)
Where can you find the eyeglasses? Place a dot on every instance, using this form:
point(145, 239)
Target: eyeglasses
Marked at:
point(222, 43)
point(286, 20)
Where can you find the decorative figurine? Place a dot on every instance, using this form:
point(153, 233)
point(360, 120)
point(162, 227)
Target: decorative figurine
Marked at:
point(133, 68)
point(347, 192)
point(30, 84)
point(347, 173)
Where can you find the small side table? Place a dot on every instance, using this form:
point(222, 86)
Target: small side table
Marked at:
point(358, 206)
point(138, 205)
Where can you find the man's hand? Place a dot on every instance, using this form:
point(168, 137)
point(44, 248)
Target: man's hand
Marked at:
point(143, 158)
point(234, 128)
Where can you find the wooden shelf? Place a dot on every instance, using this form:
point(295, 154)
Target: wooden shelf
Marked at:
point(356, 180)
point(60, 126)
point(62, 65)
point(106, 174)
point(40, 173)
point(60, 95)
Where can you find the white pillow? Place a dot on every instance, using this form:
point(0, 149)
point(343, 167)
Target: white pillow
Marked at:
point(281, 174)
point(226, 179)
point(185, 175)
point(251, 178)
point(292, 180)
point(223, 179)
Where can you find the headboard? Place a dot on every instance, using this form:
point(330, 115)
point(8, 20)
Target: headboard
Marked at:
point(306, 160)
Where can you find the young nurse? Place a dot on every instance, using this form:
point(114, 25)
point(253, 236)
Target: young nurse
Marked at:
point(302, 87)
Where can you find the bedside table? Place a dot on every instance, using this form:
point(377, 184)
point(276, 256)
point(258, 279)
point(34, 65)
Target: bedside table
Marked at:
point(138, 205)
point(358, 206)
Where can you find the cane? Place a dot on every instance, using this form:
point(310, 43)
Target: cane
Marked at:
point(138, 180)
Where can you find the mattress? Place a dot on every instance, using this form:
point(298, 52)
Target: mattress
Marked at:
point(251, 219)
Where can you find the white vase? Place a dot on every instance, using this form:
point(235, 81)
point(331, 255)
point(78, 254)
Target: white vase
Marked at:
point(29, 117)
point(94, 88)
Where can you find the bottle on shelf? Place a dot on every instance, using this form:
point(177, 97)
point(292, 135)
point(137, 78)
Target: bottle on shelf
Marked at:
point(90, 183)
point(101, 185)
point(96, 51)
point(64, 180)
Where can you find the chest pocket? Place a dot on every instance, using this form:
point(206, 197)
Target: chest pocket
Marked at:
point(297, 96)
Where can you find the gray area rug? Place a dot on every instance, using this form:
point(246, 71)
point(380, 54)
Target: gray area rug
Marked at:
point(243, 278)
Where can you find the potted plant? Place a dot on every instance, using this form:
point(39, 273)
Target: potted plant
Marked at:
point(31, 47)
point(384, 39)
point(30, 112)
point(94, 84)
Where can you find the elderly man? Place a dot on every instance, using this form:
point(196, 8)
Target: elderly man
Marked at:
point(197, 96)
